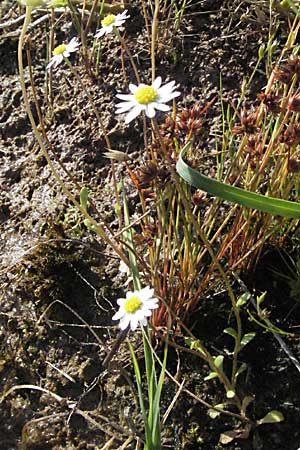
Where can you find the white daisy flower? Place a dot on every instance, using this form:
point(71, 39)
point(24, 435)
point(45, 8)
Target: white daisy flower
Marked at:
point(110, 21)
point(135, 308)
point(146, 98)
point(63, 51)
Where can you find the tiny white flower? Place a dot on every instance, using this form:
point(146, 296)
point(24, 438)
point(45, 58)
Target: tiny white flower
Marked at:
point(63, 51)
point(123, 268)
point(110, 21)
point(135, 308)
point(146, 98)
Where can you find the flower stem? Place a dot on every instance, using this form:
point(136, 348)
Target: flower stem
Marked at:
point(154, 37)
point(97, 227)
point(122, 40)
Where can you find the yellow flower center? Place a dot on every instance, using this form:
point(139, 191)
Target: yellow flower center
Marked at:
point(59, 49)
point(108, 20)
point(132, 304)
point(145, 95)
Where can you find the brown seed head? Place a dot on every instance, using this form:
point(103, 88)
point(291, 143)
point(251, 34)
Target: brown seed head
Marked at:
point(294, 65)
point(199, 197)
point(254, 150)
point(283, 74)
point(189, 119)
point(291, 135)
point(294, 103)
point(146, 175)
point(293, 166)
point(271, 101)
point(248, 123)
point(168, 126)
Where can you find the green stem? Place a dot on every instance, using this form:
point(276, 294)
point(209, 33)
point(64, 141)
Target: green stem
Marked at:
point(97, 227)
point(222, 376)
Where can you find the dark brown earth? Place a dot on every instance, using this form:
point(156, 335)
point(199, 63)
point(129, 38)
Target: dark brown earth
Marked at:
point(59, 284)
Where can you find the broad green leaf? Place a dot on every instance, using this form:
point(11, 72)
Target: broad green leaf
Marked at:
point(194, 345)
point(231, 332)
point(259, 301)
point(274, 206)
point(88, 223)
point(231, 435)
point(214, 413)
point(272, 417)
point(244, 298)
point(240, 370)
point(246, 339)
point(211, 376)
point(219, 361)
point(246, 402)
point(83, 197)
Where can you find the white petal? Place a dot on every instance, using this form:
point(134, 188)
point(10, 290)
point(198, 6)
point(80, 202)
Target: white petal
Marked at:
point(124, 322)
point(146, 293)
point(133, 88)
point(100, 33)
point(66, 54)
point(129, 294)
point(73, 45)
point(166, 88)
point(150, 301)
point(147, 313)
point(125, 96)
point(149, 306)
point(150, 111)
point(157, 83)
point(153, 306)
point(175, 94)
point(51, 62)
point(134, 113)
point(119, 314)
point(167, 98)
point(72, 49)
point(123, 14)
point(118, 23)
point(121, 301)
point(139, 314)
point(143, 322)
point(123, 107)
point(74, 40)
point(161, 107)
point(58, 59)
point(134, 322)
